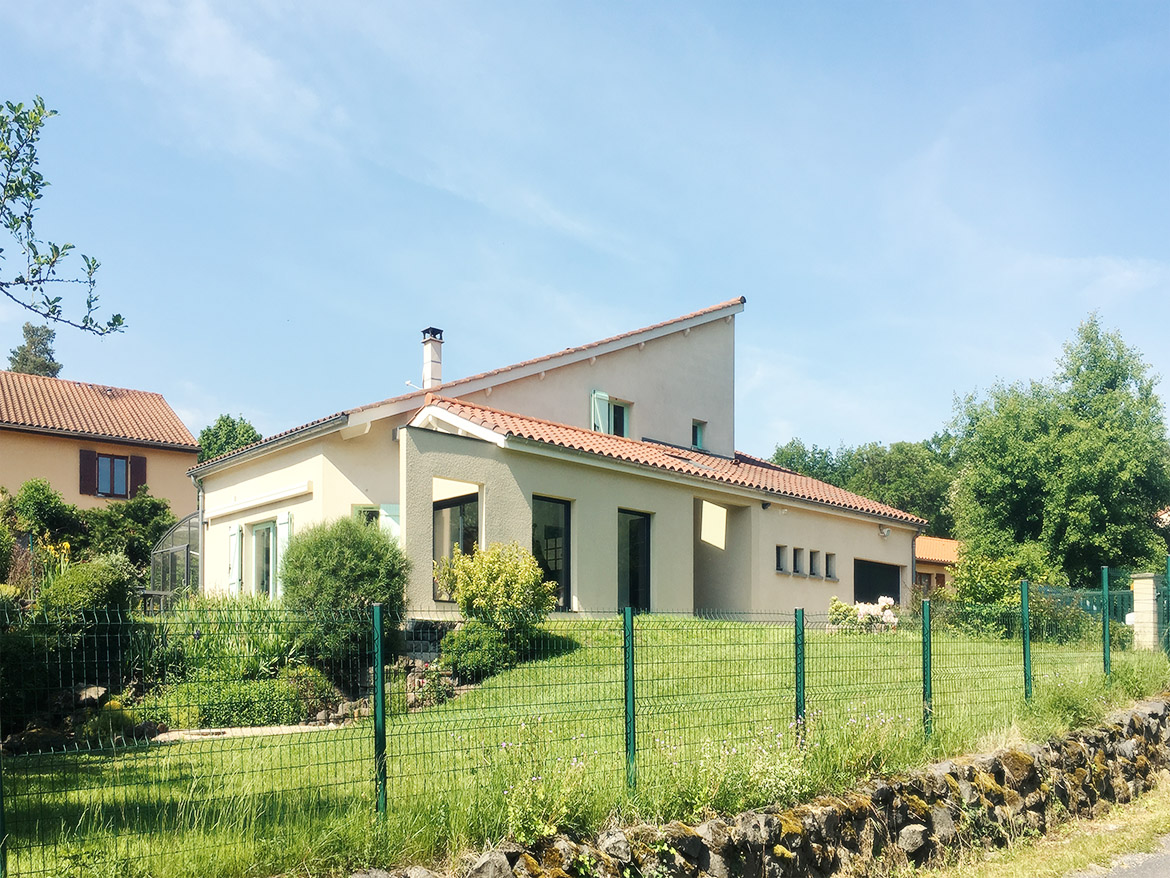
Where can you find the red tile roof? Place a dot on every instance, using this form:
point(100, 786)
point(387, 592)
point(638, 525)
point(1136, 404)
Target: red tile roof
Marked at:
point(448, 385)
point(937, 550)
point(742, 470)
point(52, 405)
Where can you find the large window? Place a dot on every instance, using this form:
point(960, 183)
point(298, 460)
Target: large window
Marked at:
point(456, 523)
point(550, 544)
point(633, 559)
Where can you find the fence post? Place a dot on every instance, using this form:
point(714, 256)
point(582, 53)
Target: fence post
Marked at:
point(798, 638)
point(1105, 620)
point(379, 635)
point(3, 828)
point(1162, 614)
point(927, 695)
point(631, 733)
point(1026, 634)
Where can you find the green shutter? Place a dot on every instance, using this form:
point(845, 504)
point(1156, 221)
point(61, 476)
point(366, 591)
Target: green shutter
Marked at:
point(601, 413)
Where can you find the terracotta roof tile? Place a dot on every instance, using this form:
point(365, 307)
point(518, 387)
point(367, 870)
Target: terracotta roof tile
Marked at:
point(938, 550)
point(34, 402)
point(742, 470)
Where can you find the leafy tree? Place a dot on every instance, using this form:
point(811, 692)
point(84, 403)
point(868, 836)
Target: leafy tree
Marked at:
point(1078, 465)
point(35, 356)
point(33, 286)
point(130, 527)
point(226, 434)
point(38, 510)
point(912, 476)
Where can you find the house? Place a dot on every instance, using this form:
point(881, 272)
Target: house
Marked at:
point(934, 562)
point(615, 461)
point(93, 443)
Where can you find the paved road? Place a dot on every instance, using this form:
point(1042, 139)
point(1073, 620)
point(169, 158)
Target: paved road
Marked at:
point(1152, 865)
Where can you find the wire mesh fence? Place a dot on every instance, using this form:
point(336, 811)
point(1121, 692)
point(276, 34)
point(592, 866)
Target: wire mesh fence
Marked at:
point(226, 730)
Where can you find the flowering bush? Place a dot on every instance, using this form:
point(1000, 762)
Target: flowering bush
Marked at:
point(863, 617)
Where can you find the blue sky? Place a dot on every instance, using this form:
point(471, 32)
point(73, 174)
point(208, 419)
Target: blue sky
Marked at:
point(916, 198)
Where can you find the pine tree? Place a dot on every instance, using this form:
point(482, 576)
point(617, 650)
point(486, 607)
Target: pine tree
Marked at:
point(35, 356)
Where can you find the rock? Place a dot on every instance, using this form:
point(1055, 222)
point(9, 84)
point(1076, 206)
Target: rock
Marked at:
point(420, 872)
point(511, 850)
point(943, 824)
point(615, 844)
point(683, 839)
point(323, 716)
point(527, 867)
point(35, 740)
point(1127, 749)
point(912, 838)
point(492, 864)
point(373, 873)
point(90, 696)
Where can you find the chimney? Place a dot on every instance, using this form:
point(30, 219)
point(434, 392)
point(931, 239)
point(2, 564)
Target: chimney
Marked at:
point(432, 357)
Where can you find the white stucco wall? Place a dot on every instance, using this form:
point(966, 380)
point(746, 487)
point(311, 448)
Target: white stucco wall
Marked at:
point(671, 381)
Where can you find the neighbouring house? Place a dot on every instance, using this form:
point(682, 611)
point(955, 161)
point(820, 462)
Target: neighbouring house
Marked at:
point(615, 461)
point(934, 564)
point(93, 443)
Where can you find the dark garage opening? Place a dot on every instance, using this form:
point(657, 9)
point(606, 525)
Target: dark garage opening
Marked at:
point(872, 580)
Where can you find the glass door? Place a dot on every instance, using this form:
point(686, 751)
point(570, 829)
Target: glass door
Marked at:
point(633, 560)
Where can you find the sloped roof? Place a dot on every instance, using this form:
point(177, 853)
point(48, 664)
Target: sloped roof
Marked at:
point(742, 470)
point(936, 550)
point(459, 383)
point(75, 408)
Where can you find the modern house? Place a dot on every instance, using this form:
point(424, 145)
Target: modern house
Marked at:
point(93, 443)
point(615, 461)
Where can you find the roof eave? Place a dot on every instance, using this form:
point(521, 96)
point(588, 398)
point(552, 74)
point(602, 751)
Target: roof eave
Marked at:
point(100, 437)
point(300, 434)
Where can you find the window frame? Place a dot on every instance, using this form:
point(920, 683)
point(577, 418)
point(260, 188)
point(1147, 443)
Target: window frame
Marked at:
point(565, 585)
point(451, 503)
point(698, 434)
point(111, 459)
point(781, 559)
point(798, 561)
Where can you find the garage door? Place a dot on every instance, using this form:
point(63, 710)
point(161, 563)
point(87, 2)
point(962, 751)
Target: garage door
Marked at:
point(872, 580)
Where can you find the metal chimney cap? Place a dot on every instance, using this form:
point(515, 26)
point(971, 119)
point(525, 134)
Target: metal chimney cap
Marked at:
point(432, 332)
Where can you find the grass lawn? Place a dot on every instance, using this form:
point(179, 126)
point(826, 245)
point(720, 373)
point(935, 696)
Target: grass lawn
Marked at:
point(542, 745)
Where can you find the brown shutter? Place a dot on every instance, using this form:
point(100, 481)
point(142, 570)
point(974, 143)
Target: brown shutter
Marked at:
point(87, 483)
point(137, 474)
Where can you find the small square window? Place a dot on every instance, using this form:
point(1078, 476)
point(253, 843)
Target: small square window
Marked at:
point(698, 428)
point(814, 563)
point(798, 560)
point(830, 565)
point(781, 559)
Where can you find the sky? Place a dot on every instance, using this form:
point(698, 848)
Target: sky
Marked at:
point(917, 199)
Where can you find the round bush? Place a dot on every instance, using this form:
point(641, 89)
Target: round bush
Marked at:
point(476, 651)
point(333, 572)
point(105, 582)
point(501, 585)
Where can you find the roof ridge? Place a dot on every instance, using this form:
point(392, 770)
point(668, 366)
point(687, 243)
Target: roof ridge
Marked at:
point(92, 384)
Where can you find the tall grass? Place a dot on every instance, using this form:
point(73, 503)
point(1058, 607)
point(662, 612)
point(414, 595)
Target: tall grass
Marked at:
point(541, 748)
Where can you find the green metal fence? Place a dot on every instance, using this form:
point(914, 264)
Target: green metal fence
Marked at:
point(131, 739)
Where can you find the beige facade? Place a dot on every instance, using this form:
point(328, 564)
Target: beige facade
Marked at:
point(712, 547)
point(39, 455)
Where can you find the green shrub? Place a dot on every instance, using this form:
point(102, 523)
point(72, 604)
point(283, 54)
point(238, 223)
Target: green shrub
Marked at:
point(131, 527)
point(502, 585)
point(333, 572)
point(7, 544)
point(209, 704)
point(39, 510)
point(475, 651)
point(112, 720)
point(313, 689)
point(105, 582)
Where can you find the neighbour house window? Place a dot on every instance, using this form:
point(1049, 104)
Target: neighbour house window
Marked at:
point(456, 523)
point(814, 563)
point(781, 559)
point(263, 558)
point(550, 544)
point(830, 565)
point(111, 475)
point(610, 415)
point(798, 560)
point(698, 428)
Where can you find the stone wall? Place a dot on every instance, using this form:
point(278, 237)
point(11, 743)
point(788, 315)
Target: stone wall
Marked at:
point(976, 799)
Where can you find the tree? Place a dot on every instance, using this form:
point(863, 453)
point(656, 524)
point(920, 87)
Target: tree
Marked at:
point(913, 476)
point(32, 288)
point(131, 527)
point(1073, 469)
point(226, 434)
point(35, 356)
